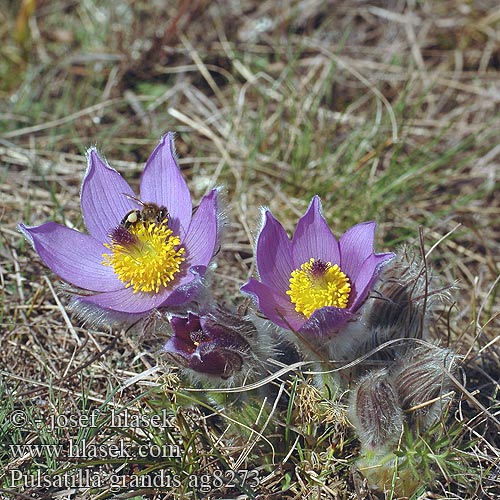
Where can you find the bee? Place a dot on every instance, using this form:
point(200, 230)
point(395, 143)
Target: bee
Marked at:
point(150, 212)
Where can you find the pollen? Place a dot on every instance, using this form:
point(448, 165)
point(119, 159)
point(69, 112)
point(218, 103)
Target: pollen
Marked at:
point(146, 256)
point(318, 284)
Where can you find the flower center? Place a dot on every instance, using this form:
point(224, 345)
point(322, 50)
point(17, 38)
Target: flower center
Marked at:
point(145, 253)
point(318, 284)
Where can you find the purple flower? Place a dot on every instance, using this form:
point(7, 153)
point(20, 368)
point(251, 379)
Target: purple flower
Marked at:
point(312, 283)
point(211, 345)
point(140, 254)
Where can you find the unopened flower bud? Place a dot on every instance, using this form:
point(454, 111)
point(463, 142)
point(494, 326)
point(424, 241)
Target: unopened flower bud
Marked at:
point(213, 344)
point(400, 296)
point(400, 307)
point(423, 377)
point(375, 411)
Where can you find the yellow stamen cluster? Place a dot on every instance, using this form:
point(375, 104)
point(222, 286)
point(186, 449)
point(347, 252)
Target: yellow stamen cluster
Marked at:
point(150, 260)
point(318, 284)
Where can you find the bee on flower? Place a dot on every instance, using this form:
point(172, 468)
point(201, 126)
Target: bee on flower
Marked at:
point(140, 253)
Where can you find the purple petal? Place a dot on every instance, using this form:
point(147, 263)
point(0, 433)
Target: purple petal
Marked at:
point(223, 336)
point(188, 289)
point(356, 245)
point(325, 322)
point(313, 238)
point(180, 347)
point(73, 256)
point(201, 237)
point(162, 183)
point(212, 359)
point(182, 327)
point(276, 307)
point(209, 357)
point(104, 197)
point(125, 300)
point(367, 275)
point(274, 256)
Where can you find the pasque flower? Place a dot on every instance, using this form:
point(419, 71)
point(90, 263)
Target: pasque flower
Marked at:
point(313, 283)
point(140, 253)
point(211, 344)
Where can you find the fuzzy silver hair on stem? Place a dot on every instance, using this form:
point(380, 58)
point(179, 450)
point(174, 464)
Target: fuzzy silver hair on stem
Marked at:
point(375, 412)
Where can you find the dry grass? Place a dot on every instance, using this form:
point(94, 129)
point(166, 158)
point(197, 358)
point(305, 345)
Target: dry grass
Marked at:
point(388, 110)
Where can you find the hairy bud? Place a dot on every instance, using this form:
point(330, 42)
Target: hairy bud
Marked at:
point(375, 411)
point(422, 380)
point(400, 307)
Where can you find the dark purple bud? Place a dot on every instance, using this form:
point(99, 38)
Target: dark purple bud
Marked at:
point(212, 344)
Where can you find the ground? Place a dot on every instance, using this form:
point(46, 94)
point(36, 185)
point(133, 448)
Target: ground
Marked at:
point(387, 110)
